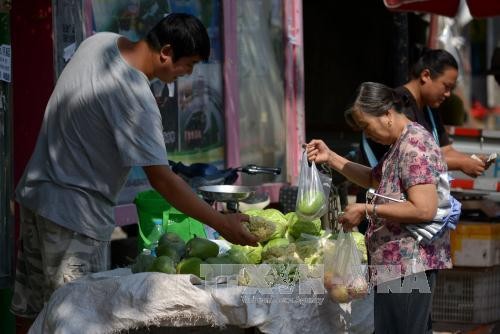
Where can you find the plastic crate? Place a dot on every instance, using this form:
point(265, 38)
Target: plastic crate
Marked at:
point(467, 295)
point(288, 198)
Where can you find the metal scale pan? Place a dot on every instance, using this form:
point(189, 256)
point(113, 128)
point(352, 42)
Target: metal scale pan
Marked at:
point(229, 194)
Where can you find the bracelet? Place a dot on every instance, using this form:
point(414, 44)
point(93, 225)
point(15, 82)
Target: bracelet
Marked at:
point(374, 212)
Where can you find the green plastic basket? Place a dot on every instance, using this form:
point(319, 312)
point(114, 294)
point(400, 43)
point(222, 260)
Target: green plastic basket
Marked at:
point(182, 225)
point(150, 205)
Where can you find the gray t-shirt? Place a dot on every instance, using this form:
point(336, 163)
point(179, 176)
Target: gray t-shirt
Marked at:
point(101, 120)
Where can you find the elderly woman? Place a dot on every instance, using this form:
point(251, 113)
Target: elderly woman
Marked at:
point(411, 172)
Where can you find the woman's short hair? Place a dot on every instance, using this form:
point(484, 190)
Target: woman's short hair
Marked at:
point(185, 33)
point(374, 99)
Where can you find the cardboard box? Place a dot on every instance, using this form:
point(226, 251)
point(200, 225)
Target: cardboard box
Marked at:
point(475, 244)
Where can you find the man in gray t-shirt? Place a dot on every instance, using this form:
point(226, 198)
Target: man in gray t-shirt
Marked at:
point(101, 120)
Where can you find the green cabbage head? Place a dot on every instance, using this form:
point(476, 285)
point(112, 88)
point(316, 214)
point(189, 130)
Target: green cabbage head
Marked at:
point(297, 226)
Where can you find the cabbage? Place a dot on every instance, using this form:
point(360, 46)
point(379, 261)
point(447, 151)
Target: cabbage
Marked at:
point(245, 254)
point(254, 212)
point(289, 237)
point(288, 259)
point(277, 248)
point(262, 228)
point(289, 216)
point(359, 238)
point(316, 258)
point(274, 216)
point(279, 219)
point(285, 269)
point(307, 245)
point(279, 242)
point(311, 202)
point(298, 226)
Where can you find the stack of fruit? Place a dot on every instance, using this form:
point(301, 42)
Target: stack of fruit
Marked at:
point(285, 242)
point(176, 256)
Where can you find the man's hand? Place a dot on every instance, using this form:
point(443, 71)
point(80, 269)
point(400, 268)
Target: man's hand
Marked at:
point(235, 232)
point(473, 167)
point(487, 159)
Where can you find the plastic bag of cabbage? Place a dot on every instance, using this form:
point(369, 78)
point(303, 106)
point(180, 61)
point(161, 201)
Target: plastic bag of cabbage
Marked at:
point(311, 197)
point(298, 226)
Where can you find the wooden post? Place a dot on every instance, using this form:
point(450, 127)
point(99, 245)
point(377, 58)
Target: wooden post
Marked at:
point(294, 87)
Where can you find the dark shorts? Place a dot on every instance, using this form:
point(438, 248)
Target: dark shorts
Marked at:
point(50, 255)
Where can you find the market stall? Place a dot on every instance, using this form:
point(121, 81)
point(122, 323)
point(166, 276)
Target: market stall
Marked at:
point(185, 279)
point(116, 300)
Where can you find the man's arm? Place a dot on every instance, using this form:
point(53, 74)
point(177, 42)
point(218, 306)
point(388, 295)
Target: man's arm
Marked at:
point(181, 196)
point(463, 162)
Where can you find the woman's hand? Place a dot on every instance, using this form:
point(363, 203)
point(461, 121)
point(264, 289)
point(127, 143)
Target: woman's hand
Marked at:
point(352, 216)
point(317, 151)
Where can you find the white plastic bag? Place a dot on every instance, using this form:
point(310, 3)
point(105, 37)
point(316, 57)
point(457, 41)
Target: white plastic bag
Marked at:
point(346, 278)
point(311, 198)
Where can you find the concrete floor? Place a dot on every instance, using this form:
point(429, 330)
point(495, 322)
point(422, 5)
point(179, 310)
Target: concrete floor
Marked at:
point(438, 328)
point(192, 330)
point(456, 328)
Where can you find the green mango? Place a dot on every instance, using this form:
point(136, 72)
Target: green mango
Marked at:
point(219, 260)
point(190, 265)
point(142, 263)
point(221, 265)
point(201, 248)
point(163, 264)
point(174, 241)
point(169, 238)
point(168, 250)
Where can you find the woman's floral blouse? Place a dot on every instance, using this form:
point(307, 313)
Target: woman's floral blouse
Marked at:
point(413, 159)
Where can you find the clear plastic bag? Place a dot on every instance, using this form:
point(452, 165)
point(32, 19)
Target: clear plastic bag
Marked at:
point(311, 198)
point(345, 278)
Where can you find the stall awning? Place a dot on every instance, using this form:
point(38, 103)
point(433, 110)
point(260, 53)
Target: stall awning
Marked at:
point(477, 8)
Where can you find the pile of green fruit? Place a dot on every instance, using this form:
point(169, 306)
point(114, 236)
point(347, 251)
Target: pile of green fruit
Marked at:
point(284, 240)
point(174, 256)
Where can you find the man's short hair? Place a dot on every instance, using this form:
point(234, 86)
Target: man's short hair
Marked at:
point(185, 33)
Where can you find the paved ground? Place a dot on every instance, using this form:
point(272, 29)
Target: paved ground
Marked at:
point(439, 328)
point(454, 328)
